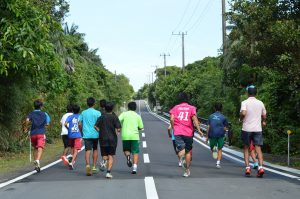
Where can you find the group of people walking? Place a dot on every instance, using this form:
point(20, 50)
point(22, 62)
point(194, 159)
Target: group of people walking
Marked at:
point(101, 128)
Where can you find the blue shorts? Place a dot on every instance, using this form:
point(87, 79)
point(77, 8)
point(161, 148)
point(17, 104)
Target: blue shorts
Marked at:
point(255, 137)
point(184, 142)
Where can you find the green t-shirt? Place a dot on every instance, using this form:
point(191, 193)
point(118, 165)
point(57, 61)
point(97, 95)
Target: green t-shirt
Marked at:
point(131, 123)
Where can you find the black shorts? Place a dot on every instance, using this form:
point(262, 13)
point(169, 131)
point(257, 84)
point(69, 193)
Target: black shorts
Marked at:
point(65, 140)
point(107, 150)
point(184, 142)
point(255, 137)
point(91, 144)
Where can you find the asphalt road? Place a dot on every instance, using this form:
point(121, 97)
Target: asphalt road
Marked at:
point(206, 181)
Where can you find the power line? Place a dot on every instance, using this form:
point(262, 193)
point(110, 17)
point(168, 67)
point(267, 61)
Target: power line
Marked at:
point(184, 13)
point(193, 13)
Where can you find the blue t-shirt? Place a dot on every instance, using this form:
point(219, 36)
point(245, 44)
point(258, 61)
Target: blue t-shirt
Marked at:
point(39, 120)
point(217, 122)
point(88, 119)
point(73, 123)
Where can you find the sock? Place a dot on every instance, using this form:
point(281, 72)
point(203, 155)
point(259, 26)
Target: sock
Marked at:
point(134, 167)
point(260, 167)
point(128, 157)
point(218, 162)
point(248, 167)
point(38, 162)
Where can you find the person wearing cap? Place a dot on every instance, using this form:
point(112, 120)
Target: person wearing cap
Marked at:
point(253, 116)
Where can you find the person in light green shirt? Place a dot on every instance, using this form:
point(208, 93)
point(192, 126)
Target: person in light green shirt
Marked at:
point(131, 125)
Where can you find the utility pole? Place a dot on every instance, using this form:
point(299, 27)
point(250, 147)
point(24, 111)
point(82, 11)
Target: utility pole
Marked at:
point(165, 62)
point(115, 76)
point(223, 26)
point(182, 39)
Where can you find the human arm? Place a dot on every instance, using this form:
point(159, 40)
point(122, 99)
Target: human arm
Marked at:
point(264, 116)
point(207, 132)
point(169, 131)
point(197, 124)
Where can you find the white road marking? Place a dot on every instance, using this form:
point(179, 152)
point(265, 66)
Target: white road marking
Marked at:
point(144, 144)
point(151, 192)
point(143, 135)
point(31, 173)
point(146, 158)
point(225, 154)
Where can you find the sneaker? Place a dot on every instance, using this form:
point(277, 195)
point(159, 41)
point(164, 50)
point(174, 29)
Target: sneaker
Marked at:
point(215, 153)
point(88, 170)
point(248, 172)
point(218, 166)
point(95, 170)
point(71, 166)
point(260, 173)
point(37, 166)
point(255, 165)
point(133, 171)
point(65, 160)
point(109, 176)
point(129, 162)
point(70, 158)
point(103, 165)
point(187, 173)
point(183, 162)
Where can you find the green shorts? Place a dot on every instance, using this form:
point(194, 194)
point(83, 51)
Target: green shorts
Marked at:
point(132, 146)
point(219, 142)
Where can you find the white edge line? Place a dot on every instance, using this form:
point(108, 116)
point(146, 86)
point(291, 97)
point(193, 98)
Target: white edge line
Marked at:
point(146, 158)
point(31, 173)
point(144, 144)
point(151, 192)
point(231, 157)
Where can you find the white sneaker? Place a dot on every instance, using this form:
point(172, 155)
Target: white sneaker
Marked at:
point(187, 173)
point(218, 166)
point(37, 166)
point(108, 175)
point(103, 165)
point(215, 153)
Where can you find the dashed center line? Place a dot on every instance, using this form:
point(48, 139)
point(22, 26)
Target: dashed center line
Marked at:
point(151, 192)
point(143, 135)
point(144, 144)
point(146, 158)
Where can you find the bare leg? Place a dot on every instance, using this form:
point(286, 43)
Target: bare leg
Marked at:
point(181, 153)
point(74, 154)
point(260, 155)
point(95, 157)
point(253, 155)
point(135, 159)
point(246, 155)
point(188, 160)
point(87, 157)
point(66, 150)
point(219, 155)
point(39, 152)
point(110, 162)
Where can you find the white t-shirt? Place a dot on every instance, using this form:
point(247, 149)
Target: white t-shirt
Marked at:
point(255, 109)
point(64, 130)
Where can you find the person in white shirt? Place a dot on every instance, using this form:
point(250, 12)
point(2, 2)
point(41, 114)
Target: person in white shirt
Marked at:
point(64, 134)
point(253, 114)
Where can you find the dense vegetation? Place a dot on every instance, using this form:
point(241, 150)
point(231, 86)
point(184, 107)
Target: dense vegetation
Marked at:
point(263, 49)
point(42, 57)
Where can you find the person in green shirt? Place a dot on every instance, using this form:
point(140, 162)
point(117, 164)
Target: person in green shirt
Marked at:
point(131, 125)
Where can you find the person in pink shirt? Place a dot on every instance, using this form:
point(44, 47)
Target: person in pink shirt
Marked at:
point(253, 115)
point(182, 120)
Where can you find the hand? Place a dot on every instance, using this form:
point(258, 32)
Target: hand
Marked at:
point(206, 141)
point(201, 133)
point(264, 123)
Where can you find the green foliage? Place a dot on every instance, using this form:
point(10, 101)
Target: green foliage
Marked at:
point(38, 60)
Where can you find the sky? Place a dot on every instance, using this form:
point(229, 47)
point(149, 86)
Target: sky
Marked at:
point(132, 34)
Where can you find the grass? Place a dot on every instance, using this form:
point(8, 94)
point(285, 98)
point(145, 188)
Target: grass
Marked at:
point(10, 162)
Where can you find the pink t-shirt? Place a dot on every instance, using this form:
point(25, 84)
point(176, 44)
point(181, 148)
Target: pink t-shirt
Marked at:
point(183, 123)
point(255, 109)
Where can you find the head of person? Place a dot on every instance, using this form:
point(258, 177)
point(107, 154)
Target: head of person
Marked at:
point(76, 109)
point(183, 98)
point(218, 106)
point(37, 104)
point(69, 108)
point(90, 101)
point(109, 107)
point(251, 90)
point(102, 103)
point(132, 106)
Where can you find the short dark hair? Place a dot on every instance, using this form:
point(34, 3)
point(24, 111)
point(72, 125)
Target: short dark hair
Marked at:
point(252, 91)
point(183, 97)
point(218, 106)
point(69, 108)
point(109, 107)
point(90, 101)
point(102, 103)
point(132, 106)
point(76, 109)
point(37, 104)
